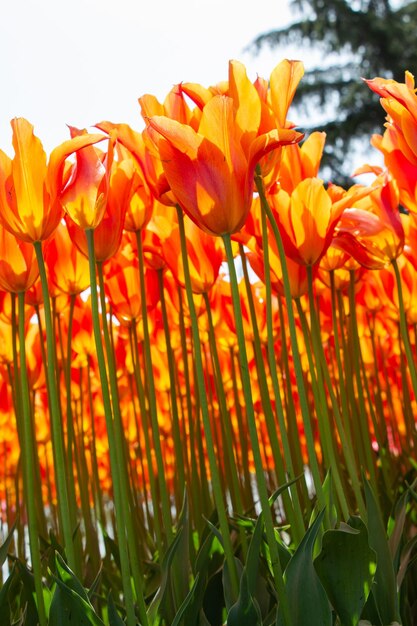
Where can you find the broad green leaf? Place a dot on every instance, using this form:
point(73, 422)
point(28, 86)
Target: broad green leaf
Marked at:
point(70, 604)
point(330, 511)
point(180, 566)
point(346, 567)
point(4, 599)
point(384, 589)
point(307, 598)
point(396, 527)
point(405, 559)
point(67, 576)
point(229, 597)
point(70, 609)
point(96, 583)
point(4, 548)
point(28, 594)
point(111, 546)
point(203, 621)
point(186, 603)
point(157, 604)
point(201, 569)
point(114, 617)
point(245, 611)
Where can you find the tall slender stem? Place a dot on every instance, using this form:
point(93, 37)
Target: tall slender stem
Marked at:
point(56, 421)
point(165, 501)
point(404, 334)
point(29, 465)
point(305, 411)
point(211, 452)
point(250, 414)
point(113, 449)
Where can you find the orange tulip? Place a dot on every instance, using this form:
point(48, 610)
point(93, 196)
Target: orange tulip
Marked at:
point(109, 227)
point(67, 267)
point(209, 171)
point(18, 267)
point(29, 186)
point(123, 287)
point(372, 232)
point(308, 217)
point(84, 194)
point(142, 145)
point(300, 161)
point(398, 144)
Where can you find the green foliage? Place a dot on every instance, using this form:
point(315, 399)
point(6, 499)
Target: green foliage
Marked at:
point(346, 567)
point(70, 603)
point(355, 39)
point(384, 590)
point(306, 596)
point(338, 574)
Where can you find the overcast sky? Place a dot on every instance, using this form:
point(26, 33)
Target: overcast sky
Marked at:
point(81, 61)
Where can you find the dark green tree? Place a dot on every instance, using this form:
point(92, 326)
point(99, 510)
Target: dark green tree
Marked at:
point(362, 38)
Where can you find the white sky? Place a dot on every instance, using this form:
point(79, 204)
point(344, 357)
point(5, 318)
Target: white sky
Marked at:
point(81, 61)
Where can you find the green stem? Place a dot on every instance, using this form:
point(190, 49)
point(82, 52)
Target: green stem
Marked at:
point(211, 452)
point(291, 412)
point(121, 452)
point(56, 421)
point(179, 455)
point(29, 465)
point(304, 406)
point(404, 334)
point(70, 428)
point(134, 344)
point(198, 478)
point(324, 417)
point(298, 524)
point(225, 424)
point(150, 380)
point(253, 435)
point(356, 354)
point(114, 456)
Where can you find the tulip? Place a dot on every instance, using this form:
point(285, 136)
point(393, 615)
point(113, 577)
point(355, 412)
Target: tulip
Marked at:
point(29, 186)
point(18, 267)
point(372, 232)
point(209, 171)
point(67, 267)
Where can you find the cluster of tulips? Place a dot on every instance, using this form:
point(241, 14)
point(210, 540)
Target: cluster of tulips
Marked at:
point(192, 321)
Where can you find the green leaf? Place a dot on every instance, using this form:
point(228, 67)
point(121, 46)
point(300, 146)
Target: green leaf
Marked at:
point(330, 511)
point(203, 621)
point(4, 548)
point(4, 599)
point(307, 598)
point(405, 560)
point(67, 576)
point(70, 604)
point(396, 526)
point(111, 546)
point(114, 617)
point(245, 611)
point(346, 566)
point(28, 595)
point(201, 569)
point(229, 596)
point(157, 604)
point(186, 603)
point(180, 566)
point(384, 589)
point(96, 583)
